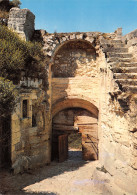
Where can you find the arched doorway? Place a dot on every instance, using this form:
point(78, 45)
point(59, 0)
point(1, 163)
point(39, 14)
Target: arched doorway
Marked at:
point(72, 84)
point(74, 120)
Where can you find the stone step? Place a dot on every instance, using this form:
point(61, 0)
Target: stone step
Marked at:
point(117, 59)
point(131, 88)
point(123, 104)
point(121, 64)
point(113, 44)
point(118, 45)
point(127, 82)
point(125, 75)
point(124, 70)
point(114, 47)
point(119, 55)
point(117, 50)
point(116, 41)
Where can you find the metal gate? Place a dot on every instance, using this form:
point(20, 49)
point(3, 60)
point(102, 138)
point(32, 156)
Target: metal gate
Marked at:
point(63, 147)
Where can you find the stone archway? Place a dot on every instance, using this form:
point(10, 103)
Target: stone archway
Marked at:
point(73, 57)
point(74, 103)
point(75, 85)
point(75, 117)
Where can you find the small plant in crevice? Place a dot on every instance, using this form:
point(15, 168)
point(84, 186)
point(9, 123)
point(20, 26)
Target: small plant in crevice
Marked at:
point(102, 169)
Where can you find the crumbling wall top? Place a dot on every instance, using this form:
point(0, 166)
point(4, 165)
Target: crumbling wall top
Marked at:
point(22, 21)
point(16, 12)
point(130, 38)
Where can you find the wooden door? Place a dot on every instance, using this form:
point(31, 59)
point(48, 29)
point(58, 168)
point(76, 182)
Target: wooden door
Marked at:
point(90, 142)
point(63, 147)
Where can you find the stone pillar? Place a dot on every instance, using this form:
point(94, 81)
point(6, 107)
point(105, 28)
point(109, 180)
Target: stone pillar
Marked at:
point(22, 21)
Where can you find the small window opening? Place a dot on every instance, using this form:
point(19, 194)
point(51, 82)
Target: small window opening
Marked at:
point(25, 110)
point(34, 115)
point(34, 123)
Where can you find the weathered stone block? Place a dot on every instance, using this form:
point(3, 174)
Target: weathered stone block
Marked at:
point(22, 21)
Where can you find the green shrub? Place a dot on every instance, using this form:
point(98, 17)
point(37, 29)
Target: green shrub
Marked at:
point(15, 3)
point(4, 14)
point(6, 5)
point(75, 141)
point(8, 96)
point(17, 55)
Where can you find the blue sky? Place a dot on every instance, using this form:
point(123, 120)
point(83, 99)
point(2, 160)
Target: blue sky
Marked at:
point(83, 15)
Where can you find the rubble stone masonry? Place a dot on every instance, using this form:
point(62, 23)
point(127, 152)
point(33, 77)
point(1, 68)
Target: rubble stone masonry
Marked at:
point(92, 71)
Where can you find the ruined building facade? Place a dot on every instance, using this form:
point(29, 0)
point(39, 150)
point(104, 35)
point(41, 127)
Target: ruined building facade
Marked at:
point(92, 90)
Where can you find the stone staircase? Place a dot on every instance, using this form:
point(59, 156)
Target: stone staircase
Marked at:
point(124, 69)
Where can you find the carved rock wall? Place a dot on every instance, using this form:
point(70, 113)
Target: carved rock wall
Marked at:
point(116, 143)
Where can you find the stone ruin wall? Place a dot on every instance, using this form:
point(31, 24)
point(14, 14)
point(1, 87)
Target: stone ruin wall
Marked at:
point(92, 79)
point(22, 21)
point(75, 65)
point(116, 143)
point(116, 152)
point(131, 41)
point(30, 144)
point(73, 73)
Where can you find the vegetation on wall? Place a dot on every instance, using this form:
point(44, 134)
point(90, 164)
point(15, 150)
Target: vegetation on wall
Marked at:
point(8, 4)
point(75, 141)
point(4, 14)
point(15, 3)
point(17, 55)
point(5, 6)
point(7, 97)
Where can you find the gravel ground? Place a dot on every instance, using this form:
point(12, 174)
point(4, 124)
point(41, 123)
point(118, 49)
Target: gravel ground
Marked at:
point(72, 177)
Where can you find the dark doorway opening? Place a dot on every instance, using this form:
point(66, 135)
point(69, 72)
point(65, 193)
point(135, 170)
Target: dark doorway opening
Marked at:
point(74, 126)
point(5, 142)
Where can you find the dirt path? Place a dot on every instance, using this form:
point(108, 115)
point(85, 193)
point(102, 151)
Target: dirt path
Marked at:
point(72, 177)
